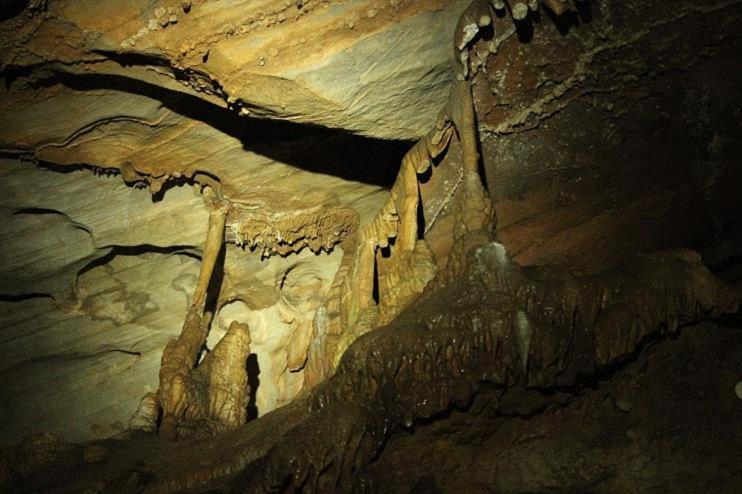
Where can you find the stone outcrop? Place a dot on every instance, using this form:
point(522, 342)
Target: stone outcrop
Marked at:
point(521, 350)
point(289, 211)
point(497, 326)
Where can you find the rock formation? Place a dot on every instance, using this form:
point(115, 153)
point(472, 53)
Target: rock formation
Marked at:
point(286, 233)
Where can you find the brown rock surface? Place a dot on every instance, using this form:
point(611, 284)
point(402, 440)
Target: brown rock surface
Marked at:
point(353, 219)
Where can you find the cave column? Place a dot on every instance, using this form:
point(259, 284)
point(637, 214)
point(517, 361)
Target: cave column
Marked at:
point(177, 393)
point(462, 113)
point(212, 247)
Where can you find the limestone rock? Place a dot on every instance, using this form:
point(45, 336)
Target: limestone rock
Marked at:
point(337, 149)
point(324, 63)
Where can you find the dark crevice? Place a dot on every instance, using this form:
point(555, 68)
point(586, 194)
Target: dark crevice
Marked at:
point(71, 167)
point(53, 212)
point(215, 283)
point(131, 59)
point(13, 154)
point(22, 297)
point(175, 182)
point(108, 350)
point(481, 170)
point(137, 250)
point(386, 252)
point(524, 30)
point(11, 8)
point(40, 211)
point(571, 19)
point(315, 149)
point(253, 381)
point(158, 420)
point(139, 184)
point(375, 290)
point(421, 224)
point(207, 175)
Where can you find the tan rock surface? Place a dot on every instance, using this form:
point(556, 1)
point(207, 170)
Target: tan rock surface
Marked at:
point(337, 150)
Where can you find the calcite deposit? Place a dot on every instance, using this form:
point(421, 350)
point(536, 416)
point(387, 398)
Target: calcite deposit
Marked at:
point(270, 246)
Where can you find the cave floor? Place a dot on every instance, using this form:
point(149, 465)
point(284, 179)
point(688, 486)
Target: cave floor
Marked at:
point(668, 421)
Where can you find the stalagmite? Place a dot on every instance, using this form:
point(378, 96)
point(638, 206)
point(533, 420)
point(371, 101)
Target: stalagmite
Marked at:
point(177, 392)
point(225, 367)
point(210, 397)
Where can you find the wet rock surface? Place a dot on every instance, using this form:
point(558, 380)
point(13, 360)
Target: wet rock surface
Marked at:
point(371, 414)
point(665, 422)
point(370, 246)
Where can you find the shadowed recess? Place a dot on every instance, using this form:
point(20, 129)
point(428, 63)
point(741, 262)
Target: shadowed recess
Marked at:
point(315, 149)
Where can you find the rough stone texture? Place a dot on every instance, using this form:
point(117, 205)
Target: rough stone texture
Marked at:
point(437, 357)
point(80, 371)
point(64, 222)
point(325, 63)
point(95, 279)
point(623, 435)
point(611, 130)
point(279, 304)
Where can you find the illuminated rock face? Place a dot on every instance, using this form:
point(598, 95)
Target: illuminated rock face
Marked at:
point(147, 96)
point(96, 279)
point(285, 177)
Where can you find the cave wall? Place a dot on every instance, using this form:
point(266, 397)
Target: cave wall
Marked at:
point(95, 280)
point(610, 131)
point(613, 130)
point(107, 134)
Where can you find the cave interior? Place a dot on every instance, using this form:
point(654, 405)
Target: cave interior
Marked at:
point(405, 246)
